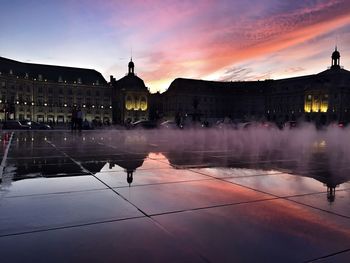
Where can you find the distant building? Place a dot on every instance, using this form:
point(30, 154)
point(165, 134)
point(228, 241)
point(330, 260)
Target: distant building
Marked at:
point(47, 93)
point(129, 98)
point(322, 98)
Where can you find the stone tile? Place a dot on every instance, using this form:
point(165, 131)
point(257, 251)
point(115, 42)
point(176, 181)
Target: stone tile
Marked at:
point(123, 163)
point(338, 258)
point(134, 240)
point(40, 212)
point(33, 152)
point(165, 198)
point(272, 231)
point(223, 172)
point(148, 176)
point(340, 205)
point(43, 170)
point(38, 186)
point(282, 184)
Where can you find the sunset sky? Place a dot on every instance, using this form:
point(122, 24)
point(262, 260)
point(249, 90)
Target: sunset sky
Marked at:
point(205, 39)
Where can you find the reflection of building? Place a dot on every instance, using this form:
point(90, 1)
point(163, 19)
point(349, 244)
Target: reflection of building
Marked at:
point(130, 98)
point(47, 93)
point(130, 163)
point(322, 97)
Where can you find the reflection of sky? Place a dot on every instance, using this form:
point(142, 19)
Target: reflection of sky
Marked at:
point(197, 39)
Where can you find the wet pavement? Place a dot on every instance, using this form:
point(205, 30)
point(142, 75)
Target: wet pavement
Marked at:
point(149, 196)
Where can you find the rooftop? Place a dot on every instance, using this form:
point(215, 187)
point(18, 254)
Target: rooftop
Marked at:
point(51, 73)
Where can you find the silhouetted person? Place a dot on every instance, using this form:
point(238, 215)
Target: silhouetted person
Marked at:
point(79, 119)
point(74, 118)
point(86, 124)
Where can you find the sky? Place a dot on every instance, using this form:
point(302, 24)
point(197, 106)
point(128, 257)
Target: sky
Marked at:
point(224, 40)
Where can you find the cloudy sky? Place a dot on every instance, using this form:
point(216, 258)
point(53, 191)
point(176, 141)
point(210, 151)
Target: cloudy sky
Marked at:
point(204, 39)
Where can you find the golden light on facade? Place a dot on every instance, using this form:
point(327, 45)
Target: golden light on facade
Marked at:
point(137, 103)
point(129, 104)
point(316, 103)
point(143, 104)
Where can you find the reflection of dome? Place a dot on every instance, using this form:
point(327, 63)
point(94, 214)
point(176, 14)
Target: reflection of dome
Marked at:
point(129, 177)
point(130, 163)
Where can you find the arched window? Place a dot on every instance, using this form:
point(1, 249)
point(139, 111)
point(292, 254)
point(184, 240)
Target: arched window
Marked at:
point(129, 104)
point(137, 103)
point(143, 103)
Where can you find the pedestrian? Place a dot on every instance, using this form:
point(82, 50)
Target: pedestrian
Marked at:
point(74, 119)
point(79, 119)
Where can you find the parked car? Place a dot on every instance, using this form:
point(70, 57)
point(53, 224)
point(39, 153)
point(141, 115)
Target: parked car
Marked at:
point(224, 124)
point(290, 125)
point(14, 125)
point(340, 124)
point(143, 125)
point(36, 125)
point(256, 125)
point(170, 125)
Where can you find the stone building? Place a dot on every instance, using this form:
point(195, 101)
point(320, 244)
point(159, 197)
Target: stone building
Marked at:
point(322, 98)
point(47, 93)
point(130, 98)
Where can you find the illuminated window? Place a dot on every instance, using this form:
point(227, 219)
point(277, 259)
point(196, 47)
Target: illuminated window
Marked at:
point(143, 103)
point(316, 103)
point(129, 104)
point(137, 103)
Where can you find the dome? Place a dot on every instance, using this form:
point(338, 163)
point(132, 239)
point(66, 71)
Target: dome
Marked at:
point(335, 54)
point(131, 64)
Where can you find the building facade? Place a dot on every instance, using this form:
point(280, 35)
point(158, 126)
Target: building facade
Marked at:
point(46, 93)
point(322, 98)
point(130, 98)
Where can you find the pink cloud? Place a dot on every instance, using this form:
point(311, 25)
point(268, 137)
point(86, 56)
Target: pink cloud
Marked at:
point(191, 39)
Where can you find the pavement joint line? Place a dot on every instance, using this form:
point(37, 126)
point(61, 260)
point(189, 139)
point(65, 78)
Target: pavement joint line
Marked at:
point(163, 183)
point(34, 157)
point(56, 193)
point(285, 198)
point(237, 176)
point(329, 255)
point(109, 187)
point(214, 206)
point(314, 207)
point(71, 226)
point(3, 162)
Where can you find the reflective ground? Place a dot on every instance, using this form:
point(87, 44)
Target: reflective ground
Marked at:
point(182, 196)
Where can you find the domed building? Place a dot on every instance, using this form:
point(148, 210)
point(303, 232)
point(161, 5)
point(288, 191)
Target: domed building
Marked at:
point(130, 98)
